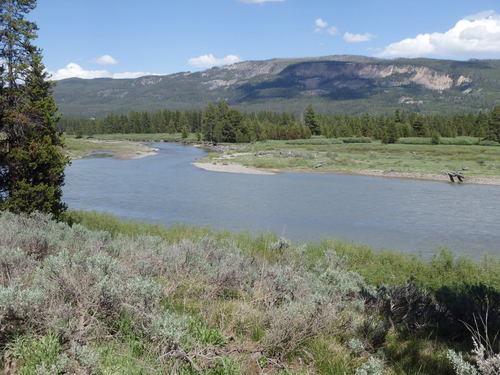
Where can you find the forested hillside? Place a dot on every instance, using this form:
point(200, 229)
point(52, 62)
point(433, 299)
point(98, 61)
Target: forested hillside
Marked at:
point(334, 84)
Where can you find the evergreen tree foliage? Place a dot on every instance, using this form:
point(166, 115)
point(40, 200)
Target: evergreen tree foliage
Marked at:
point(311, 121)
point(435, 138)
point(494, 125)
point(391, 133)
point(31, 159)
point(219, 123)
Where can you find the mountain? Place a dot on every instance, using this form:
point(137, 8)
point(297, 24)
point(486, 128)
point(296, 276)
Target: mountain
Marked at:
point(333, 84)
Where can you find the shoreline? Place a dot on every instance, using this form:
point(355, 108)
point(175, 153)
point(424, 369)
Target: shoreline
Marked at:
point(239, 168)
point(231, 168)
point(118, 149)
point(222, 166)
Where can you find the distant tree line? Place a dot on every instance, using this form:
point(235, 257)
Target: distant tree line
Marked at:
point(219, 123)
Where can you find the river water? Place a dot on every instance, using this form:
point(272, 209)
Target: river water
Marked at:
point(408, 215)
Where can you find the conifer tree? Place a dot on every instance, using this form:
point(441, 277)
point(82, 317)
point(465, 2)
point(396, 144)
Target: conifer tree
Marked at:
point(494, 125)
point(311, 120)
point(31, 159)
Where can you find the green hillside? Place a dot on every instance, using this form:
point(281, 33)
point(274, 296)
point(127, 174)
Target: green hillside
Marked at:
point(347, 84)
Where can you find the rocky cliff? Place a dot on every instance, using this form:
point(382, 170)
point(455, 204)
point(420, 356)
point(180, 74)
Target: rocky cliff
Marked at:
point(351, 84)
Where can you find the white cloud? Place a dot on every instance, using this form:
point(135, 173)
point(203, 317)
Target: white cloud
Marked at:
point(260, 1)
point(208, 61)
point(332, 30)
point(73, 70)
point(105, 60)
point(357, 38)
point(473, 36)
point(322, 26)
point(320, 23)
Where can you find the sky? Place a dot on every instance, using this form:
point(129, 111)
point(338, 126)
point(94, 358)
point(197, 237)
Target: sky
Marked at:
point(130, 38)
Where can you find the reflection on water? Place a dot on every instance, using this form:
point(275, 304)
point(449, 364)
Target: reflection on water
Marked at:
point(413, 216)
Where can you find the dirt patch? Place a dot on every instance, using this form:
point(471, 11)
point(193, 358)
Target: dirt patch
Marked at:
point(232, 168)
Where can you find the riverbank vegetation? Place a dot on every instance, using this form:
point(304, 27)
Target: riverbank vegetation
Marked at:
point(219, 123)
point(320, 154)
point(77, 148)
point(406, 145)
point(409, 158)
point(128, 298)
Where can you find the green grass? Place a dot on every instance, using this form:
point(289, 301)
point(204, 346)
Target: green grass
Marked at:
point(324, 155)
point(35, 353)
point(79, 147)
point(377, 267)
point(411, 355)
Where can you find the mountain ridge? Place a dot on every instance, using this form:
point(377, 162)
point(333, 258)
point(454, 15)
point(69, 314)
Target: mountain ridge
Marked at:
point(337, 83)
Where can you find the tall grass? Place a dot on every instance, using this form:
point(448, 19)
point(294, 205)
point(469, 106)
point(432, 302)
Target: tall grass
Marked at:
point(377, 267)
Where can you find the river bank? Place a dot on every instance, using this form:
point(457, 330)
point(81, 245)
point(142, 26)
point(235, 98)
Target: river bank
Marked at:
point(479, 164)
point(238, 168)
point(79, 148)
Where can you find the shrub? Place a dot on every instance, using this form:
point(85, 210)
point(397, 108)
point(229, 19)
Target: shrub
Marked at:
point(293, 324)
point(488, 143)
point(435, 138)
point(373, 366)
point(470, 305)
point(487, 362)
point(409, 304)
point(315, 141)
point(357, 140)
point(163, 301)
point(414, 141)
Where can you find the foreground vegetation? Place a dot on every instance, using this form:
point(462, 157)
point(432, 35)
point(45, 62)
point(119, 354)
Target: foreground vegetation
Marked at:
point(107, 297)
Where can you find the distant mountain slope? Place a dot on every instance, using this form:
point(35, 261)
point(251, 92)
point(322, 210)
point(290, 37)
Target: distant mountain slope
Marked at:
point(350, 84)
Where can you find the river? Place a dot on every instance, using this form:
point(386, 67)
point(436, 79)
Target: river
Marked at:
point(407, 215)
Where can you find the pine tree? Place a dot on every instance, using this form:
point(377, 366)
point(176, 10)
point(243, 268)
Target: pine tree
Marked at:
point(32, 162)
point(311, 120)
point(494, 125)
point(390, 134)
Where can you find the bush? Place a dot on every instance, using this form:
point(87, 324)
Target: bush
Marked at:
point(315, 141)
point(373, 366)
point(473, 306)
point(414, 141)
point(488, 363)
point(435, 138)
point(172, 305)
point(409, 305)
point(357, 140)
point(488, 143)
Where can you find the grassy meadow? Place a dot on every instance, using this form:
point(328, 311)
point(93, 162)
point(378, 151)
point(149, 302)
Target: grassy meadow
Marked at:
point(330, 155)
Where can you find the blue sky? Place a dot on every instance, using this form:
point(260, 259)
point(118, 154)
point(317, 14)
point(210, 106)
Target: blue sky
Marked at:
point(128, 38)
